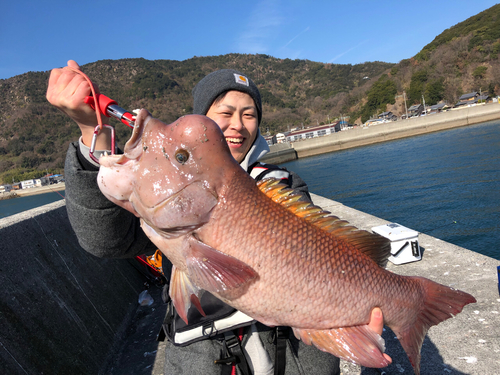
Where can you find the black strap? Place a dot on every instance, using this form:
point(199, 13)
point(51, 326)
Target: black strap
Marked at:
point(282, 334)
point(232, 353)
point(166, 326)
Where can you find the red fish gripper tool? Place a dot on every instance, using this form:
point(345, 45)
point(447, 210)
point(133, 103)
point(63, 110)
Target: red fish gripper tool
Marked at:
point(109, 108)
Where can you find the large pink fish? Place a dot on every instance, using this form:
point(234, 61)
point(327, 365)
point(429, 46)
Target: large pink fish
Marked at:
point(277, 260)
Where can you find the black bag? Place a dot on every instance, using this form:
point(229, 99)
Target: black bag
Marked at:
point(219, 318)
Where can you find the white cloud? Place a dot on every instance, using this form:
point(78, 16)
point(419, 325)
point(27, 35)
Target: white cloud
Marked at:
point(296, 36)
point(263, 23)
point(346, 52)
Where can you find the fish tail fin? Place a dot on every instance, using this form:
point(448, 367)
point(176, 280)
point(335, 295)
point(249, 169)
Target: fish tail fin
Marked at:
point(440, 302)
point(358, 344)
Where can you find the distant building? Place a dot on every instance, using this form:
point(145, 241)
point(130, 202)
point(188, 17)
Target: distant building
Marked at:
point(470, 99)
point(415, 110)
point(436, 108)
point(5, 188)
point(271, 139)
point(375, 121)
point(483, 99)
point(27, 184)
point(313, 132)
point(387, 116)
point(53, 179)
point(281, 137)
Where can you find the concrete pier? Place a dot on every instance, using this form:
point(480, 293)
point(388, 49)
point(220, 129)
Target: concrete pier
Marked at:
point(64, 311)
point(466, 344)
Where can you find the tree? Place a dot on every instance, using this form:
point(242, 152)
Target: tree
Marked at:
point(434, 92)
point(491, 89)
point(479, 72)
point(382, 92)
point(417, 86)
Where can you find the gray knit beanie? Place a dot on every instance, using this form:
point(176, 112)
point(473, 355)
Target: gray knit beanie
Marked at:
point(214, 84)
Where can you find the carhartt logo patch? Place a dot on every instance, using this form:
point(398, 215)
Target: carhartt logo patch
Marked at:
point(241, 79)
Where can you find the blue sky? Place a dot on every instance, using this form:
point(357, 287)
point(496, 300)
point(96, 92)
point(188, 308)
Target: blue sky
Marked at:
point(41, 35)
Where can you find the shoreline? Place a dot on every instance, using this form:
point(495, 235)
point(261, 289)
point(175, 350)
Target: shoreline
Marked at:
point(33, 191)
point(355, 137)
point(368, 135)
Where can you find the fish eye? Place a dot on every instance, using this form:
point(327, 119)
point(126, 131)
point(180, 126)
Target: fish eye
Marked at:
point(181, 156)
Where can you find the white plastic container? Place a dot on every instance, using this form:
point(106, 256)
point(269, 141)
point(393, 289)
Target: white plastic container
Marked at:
point(404, 243)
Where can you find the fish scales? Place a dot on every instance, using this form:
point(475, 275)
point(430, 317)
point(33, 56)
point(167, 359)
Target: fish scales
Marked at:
point(292, 248)
point(329, 268)
point(224, 235)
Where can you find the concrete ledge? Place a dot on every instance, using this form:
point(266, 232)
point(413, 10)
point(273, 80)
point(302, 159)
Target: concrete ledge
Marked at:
point(62, 310)
point(466, 344)
point(280, 156)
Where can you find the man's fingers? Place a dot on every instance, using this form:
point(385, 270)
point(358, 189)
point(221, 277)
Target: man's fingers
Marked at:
point(73, 64)
point(377, 321)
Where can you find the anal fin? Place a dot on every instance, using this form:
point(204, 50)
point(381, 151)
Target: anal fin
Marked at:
point(358, 344)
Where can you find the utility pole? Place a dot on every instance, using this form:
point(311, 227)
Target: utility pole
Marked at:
point(406, 108)
point(424, 104)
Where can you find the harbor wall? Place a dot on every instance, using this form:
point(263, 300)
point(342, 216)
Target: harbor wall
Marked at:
point(62, 310)
point(362, 136)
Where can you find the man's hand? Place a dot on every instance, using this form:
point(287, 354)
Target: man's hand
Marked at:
point(377, 324)
point(67, 91)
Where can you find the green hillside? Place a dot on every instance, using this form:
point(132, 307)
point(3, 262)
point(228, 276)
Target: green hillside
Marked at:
point(34, 136)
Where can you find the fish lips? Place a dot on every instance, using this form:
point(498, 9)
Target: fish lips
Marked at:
point(191, 207)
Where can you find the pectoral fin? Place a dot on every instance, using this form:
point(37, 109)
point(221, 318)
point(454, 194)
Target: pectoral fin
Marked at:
point(217, 272)
point(184, 293)
point(357, 344)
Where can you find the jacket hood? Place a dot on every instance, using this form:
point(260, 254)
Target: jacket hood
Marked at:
point(258, 150)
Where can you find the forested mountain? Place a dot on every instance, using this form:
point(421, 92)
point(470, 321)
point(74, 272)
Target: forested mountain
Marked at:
point(34, 135)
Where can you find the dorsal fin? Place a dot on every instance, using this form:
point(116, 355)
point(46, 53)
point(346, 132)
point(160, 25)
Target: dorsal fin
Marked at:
point(375, 246)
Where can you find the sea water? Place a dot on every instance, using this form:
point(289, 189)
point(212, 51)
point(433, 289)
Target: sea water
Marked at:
point(445, 184)
point(14, 206)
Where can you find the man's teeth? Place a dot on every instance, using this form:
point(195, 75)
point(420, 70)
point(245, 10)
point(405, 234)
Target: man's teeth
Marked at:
point(234, 140)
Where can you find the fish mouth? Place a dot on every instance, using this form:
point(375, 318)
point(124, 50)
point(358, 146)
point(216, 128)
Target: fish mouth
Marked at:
point(189, 208)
